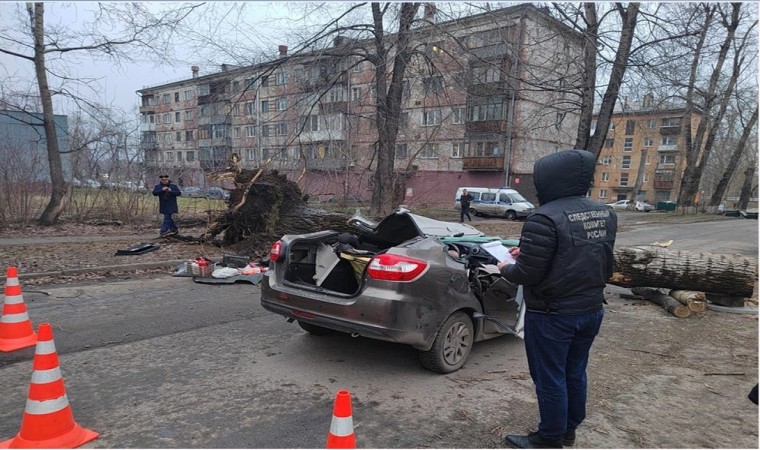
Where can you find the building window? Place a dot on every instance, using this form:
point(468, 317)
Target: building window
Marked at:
point(630, 127)
point(429, 151)
point(667, 159)
point(167, 118)
point(179, 156)
point(609, 143)
point(628, 145)
point(281, 78)
point(177, 117)
point(401, 151)
point(490, 148)
point(457, 149)
point(203, 89)
point(189, 137)
point(486, 74)
point(433, 85)
point(265, 81)
point(651, 123)
point(648, 142)
point(167, 99)
point(176, 97)
point(236, 132)
point(249, 108)
point(648, 159)
point(151, 118)
point(671, 121)
point(265, 106)
point(188, 115)
point(626, 163)
point(624, 179)
point(190, 155)
point(265, 130)
point(644, 179)
point(488, 111)
point(607, 160)
point(178, 136)
point(432, 117)
point(219, 131)
point(250, 131)
point(170, 155)
point(356, 94)
point(249, 84)
point(605, 176)
point(251, 154)
point(204, 111)
point(203, 133)
point(281, 104)
point(281, 129)
point(336, 95)
point(236, 86)
point(458, 115)
point(602, 193)
point(668, 141)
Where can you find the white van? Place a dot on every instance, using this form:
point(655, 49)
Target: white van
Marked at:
point(496, 202)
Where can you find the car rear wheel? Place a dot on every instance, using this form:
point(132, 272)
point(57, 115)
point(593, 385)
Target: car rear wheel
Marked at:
point(452, 345)
point(474, 212)
point(510, 215)
point(316, 330)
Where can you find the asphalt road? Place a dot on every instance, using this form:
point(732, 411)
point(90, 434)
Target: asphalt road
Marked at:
point(167, 363)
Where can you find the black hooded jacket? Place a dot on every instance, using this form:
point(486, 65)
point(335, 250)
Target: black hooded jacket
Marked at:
point(566, 244)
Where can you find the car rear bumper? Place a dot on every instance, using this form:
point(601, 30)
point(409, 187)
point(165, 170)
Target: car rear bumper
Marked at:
point(376, 317)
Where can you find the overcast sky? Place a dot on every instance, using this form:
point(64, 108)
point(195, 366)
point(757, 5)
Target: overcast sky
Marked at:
point(116, 84)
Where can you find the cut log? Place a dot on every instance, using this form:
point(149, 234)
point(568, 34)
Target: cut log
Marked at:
point(730, 275)
point(670, 304)
point(696, 301)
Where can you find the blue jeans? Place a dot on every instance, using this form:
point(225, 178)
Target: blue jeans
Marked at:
point(557, 347)
point(168, 224)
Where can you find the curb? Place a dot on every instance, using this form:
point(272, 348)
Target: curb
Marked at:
point(116, 268)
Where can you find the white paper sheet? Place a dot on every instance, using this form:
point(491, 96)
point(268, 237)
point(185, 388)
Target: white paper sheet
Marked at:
point(498, 251)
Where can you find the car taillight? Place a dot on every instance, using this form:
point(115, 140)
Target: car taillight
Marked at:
point(395, 268)
point(275, 253)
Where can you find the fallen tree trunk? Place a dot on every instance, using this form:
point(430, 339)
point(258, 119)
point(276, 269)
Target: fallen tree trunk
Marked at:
point(681, 270)
point(694, 300)
point(670, 304)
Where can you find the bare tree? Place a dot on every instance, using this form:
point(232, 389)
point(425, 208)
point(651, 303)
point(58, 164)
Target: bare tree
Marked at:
point(736, 154)
point(143, 30)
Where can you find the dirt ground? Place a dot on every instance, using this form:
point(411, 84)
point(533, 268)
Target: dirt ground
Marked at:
point(655, 381)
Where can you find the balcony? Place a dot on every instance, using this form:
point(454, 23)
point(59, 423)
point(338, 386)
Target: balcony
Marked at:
point(486, 126)
point(666, 166)
point(326, 164)
point(334, 107)
point(670, 130)
point(493, 89)
point(147, 109)
point(663, 184)
point(488, 51)
point(483, 163)
point(667, 148)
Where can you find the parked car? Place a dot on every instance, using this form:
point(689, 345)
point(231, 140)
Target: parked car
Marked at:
point(193, 191)
point(644, 206)
point(217, 193)
point(627, 205)
point(503, 202)
point(89, 182)
point(408, 279)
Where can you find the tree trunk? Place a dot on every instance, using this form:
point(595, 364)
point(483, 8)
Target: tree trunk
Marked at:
point(695, 301)
point(658, 267)
point(670, 304)
point(589, 76)
point(619, 66)
point(746, 192)
point(639, 177)
point(733, 163)
point(59, 188)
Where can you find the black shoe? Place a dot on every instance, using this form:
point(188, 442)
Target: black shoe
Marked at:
point(568, 440)
point(533, 440)
point(172, 232)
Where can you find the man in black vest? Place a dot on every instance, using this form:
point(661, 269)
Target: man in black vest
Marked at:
point(563, 262)
point(464, 205)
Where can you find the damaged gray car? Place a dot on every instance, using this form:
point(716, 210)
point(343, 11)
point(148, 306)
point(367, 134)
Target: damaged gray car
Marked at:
point(408, 279)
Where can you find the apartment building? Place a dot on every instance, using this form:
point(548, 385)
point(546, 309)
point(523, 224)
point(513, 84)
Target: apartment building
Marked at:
point(483, 98)
point(644, 151)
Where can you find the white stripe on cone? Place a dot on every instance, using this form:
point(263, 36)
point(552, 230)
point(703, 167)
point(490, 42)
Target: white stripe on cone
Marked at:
point(37, 407)
point(14, 299)
point(46, 376)
point(342, 426)
point(12, 281)
point(14, 318)
point(45, 348)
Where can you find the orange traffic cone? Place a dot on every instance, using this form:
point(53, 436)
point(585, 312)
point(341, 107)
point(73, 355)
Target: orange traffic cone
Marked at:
point(15, 327)
point(342, 426)
point(48, 421)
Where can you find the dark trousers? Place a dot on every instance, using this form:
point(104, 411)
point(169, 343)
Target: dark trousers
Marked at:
point(464, 212)
point(168, 224)
point(557, 347)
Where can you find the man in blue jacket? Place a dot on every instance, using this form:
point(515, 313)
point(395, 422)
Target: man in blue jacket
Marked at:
point(167, 193)
point(563, 262)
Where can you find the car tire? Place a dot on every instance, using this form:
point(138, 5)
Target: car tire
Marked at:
point(452, 345)
point(510, 215)
point(316, 330)
point(474, 212)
